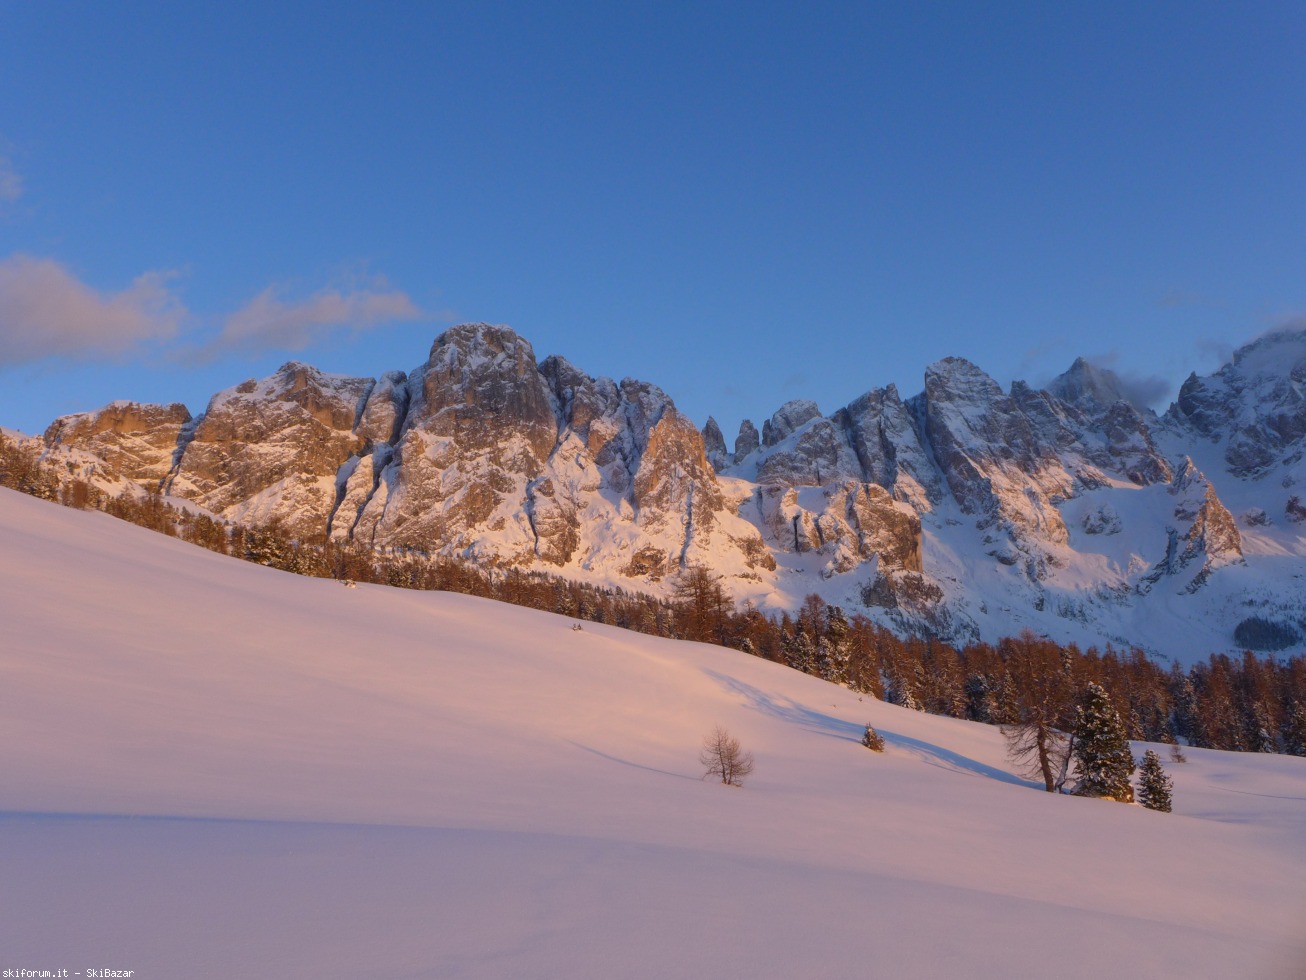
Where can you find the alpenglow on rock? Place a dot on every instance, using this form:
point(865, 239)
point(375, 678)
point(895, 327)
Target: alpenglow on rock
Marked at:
point(966, 511)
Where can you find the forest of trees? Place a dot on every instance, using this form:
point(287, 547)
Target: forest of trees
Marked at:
point(1246, 703)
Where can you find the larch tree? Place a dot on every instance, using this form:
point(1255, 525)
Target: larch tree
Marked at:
point(723, 758)
point(1040, 710)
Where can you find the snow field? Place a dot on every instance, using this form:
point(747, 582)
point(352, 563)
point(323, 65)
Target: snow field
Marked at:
point(208, 766)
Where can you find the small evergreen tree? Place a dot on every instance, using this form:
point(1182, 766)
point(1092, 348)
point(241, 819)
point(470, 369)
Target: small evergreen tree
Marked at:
point(1104, 764)
point(1155, 788)
point(872, 739)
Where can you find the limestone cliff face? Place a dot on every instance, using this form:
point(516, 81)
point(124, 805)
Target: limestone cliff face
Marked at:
point(269, 451)
point(1064, 497)
point(476, 425)
point(137, 442)
point(486, 453)
point(848, 524)
point(1203, 535)
point(747, 442)
point(889, 446)
point(815, 454)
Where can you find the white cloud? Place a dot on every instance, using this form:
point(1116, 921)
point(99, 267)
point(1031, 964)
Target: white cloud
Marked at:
point(11, 182)
point(46, 311)
point(269, 322)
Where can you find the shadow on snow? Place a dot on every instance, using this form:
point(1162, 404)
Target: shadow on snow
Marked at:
point(788, 710)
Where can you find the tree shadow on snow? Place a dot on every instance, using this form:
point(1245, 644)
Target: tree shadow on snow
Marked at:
point(627, 762)
point(789, 710)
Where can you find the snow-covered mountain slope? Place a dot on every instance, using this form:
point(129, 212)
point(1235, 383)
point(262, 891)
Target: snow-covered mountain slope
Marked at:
point(210, 768)
point(967, 511)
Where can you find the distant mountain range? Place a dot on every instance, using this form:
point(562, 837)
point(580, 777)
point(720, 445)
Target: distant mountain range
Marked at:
point(964, 511)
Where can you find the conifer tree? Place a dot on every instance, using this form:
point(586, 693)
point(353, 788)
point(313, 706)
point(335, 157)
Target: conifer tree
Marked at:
point(1104, 763)
point(1155, 788)
point(837, 643)
point(801, 654)
point(872, 739)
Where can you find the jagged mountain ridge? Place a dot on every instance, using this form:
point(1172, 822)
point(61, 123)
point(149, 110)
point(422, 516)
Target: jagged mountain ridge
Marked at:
point(965, 510)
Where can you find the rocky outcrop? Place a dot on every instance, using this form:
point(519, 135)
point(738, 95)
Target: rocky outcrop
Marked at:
point(814, 454)
point(747, 442)
point(715, 445)
point(888, 443)
point(1256, 404)
point(269, 451)
point(1203, 536)
point(136, 442)
point(788, 418)
point(479, 428)
point(1212, 535)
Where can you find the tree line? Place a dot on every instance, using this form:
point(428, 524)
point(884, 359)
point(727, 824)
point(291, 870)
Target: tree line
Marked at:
point(1245, 703)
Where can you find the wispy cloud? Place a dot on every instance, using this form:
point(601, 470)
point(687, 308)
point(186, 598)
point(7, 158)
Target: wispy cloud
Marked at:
point(46, 311)
point(1140, 390)
point(1033, 357)
point(797, 381)
point(270, 322)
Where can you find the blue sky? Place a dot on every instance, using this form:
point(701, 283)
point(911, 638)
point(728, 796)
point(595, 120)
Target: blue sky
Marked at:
point(743, 203)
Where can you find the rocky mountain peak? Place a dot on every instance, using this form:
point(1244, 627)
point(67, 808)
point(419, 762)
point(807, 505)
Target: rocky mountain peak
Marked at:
point(1279, 353)
point(747, 441)
point(1089, 388)
point(714, 442)
point(1256, 403)
point(788, 418)
point(480, 378)
point(955, 379)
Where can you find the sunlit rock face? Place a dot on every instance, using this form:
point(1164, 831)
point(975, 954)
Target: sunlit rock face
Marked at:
point(137, 442)
point(268, 451)
point(516, 462)
point(1069, 502)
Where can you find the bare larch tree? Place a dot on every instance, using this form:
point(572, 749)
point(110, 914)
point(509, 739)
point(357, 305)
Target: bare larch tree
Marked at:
point(723, 758)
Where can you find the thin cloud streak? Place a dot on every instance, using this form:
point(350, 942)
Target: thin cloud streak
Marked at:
point(46, 311)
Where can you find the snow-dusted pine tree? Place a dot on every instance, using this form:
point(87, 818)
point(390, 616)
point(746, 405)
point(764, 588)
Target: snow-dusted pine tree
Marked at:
point(1104, 763)
point(872, 739)
point(1155, 788)
point(800, 653)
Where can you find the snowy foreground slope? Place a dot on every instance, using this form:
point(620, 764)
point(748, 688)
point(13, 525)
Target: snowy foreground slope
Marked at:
point(209, 769)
